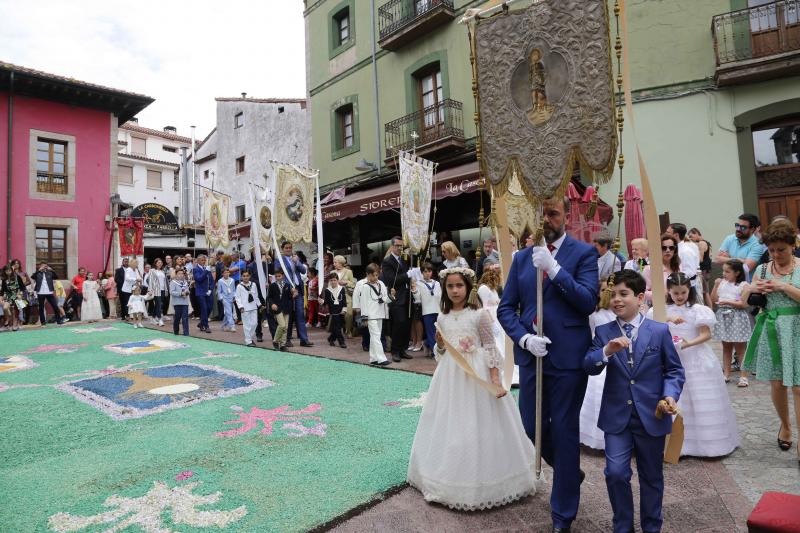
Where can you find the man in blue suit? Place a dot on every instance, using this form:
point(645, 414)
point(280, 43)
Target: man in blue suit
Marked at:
point(294, 268)
point(203, 287)
point(570, 296)
point(644, 379)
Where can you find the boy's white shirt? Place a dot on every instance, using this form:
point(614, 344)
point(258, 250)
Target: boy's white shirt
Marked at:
point(430, 303)
point(242, 299)
point(367, 302)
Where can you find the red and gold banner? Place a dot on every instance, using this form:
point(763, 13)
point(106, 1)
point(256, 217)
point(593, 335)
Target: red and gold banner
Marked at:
point(131, 236)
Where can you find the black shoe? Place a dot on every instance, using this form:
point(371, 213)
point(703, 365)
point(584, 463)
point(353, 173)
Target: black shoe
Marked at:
point(283, 348)
point(396, 358)
point(342, 345)
point(365, 348)
point(306, 344)
point(288, 344)
point(276, 346)
point(561, 529)
point(582, 474)
point(332, 343)
point(404, 355)
point(384, 363)
point(251, 345)
point(207, 330)
point(259, 339)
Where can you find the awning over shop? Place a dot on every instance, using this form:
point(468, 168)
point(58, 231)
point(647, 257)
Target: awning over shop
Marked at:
point(451, 182)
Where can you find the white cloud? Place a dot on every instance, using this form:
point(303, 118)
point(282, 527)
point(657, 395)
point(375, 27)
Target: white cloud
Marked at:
point(181, 54)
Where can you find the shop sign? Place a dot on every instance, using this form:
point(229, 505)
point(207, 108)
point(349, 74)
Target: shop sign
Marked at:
point(157, 218)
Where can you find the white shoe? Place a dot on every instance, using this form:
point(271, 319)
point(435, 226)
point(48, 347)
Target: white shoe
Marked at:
point(161, 322)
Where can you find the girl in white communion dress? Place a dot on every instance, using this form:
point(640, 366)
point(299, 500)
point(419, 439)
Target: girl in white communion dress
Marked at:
point(470, 451)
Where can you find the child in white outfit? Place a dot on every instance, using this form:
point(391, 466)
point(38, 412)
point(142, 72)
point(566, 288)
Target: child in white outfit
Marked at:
point(136, 306)
point(371, 298)
point(247, 300)
point(428, 292)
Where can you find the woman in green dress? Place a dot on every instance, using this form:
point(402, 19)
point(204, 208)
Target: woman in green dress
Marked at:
point(774, 351)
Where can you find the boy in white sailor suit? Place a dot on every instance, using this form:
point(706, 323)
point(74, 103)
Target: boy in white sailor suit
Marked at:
point(371, 297)
point(248, 301)
point(644, 379)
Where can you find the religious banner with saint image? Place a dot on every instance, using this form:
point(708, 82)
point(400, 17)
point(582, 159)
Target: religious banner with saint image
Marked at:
point(131, 236)
point(294, 203)
point(416, 188)
point(215, 211)
point(545, 96)
point(261, 221)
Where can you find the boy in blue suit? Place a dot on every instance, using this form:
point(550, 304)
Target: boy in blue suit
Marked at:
point(644, 379)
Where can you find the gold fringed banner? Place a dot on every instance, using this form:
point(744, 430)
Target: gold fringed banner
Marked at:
point(294, 203)
point(648, 200)
point(215, 212)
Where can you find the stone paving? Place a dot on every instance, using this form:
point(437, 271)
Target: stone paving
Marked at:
point(703, 495)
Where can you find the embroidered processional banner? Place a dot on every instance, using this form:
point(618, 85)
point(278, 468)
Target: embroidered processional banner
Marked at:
point(215, 211)
point(546, 99)
point(416, 190)
point(131, 236)
point(522, 218)
point(261, 221)
point(294, 203)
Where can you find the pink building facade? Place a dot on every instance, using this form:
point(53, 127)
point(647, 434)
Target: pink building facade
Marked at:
point(58, 168)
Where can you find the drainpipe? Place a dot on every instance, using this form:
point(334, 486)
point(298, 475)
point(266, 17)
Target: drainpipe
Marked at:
point(378, 157)
point(8, 160)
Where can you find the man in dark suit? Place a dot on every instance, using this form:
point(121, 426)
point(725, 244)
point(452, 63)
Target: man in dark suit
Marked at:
point(394, 274)
point(293, 269)
point(570, 295)
point(119, 279)
point(252, 268)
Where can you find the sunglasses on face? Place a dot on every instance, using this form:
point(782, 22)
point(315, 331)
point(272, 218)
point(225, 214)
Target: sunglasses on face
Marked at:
point(668, 248)
point(741, 227)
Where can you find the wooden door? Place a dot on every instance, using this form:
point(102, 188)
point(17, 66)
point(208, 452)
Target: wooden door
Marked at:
point(772, 206)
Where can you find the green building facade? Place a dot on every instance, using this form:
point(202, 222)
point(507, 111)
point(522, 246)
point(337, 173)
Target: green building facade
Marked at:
point(716, 92)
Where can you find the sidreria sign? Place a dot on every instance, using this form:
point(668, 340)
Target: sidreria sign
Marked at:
point(157, 218)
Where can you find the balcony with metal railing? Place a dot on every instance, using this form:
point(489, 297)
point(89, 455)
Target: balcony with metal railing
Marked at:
point(757, 43)
point(402, 21)
point(51, 183)
point(431, 130)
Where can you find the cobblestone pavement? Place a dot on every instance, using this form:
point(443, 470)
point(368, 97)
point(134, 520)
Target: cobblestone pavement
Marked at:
point(703, 495)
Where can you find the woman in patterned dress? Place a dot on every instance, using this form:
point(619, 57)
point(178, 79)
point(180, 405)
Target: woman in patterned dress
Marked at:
point(774, 352)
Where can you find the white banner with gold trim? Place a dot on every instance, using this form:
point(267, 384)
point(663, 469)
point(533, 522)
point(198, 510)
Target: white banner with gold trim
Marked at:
point(416, 191)
point(215, 209)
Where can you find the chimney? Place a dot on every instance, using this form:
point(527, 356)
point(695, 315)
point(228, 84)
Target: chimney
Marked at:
point(171, 129)
point(244, 95)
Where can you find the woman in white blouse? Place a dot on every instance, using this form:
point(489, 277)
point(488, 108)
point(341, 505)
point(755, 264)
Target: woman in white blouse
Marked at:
point(452, 257)
point(132, 276)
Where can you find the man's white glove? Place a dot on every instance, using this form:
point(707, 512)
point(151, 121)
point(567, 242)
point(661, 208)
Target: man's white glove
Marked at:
point(544, 261)
point(534, 344)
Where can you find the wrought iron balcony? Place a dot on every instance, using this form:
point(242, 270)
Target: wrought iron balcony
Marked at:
point(402, 21)
point(48, 182)
point(757, 43)
point(429, 130)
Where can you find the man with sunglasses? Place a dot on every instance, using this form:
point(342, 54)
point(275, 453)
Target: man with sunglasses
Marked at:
point(743, 244)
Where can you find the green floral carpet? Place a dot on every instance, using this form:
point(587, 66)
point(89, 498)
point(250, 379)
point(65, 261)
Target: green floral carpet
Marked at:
point(108, 428)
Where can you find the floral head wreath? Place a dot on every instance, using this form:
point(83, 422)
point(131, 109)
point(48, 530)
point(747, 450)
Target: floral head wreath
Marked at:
point(466, 272)
point(472, 298)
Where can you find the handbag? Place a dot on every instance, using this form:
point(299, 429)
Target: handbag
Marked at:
point(757, 299)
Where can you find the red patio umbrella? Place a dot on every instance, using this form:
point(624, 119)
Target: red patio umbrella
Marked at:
point(634, 216)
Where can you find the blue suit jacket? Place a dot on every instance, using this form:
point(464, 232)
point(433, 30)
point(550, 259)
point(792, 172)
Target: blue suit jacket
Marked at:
point(569, 299)
point(657, 372)
point(299, 268)
point(203, 280)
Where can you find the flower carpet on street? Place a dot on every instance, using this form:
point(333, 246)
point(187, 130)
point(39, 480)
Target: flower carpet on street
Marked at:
point(192, 435)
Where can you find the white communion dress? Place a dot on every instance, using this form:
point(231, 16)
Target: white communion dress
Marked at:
point(591, 435)
point(91, 310)
point(710, 428)
point(470, 450)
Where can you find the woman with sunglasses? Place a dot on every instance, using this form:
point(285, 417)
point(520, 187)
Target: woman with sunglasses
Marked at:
point(670, 261)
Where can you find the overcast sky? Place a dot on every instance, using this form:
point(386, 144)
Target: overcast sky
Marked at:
point(182, 54)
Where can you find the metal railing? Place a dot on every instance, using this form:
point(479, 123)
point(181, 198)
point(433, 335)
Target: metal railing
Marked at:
point(439, 121)
point(51, 183)
point(757, 32)
point(397, 14)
